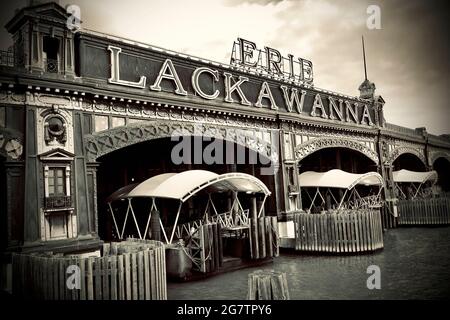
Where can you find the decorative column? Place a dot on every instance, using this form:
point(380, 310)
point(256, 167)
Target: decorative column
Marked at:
point(14, 172)
point(36, 60)
point(385, 169)
point(69, 65)
point(91, 174)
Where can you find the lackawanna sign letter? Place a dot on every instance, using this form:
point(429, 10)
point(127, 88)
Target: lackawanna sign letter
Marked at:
point(202, 80)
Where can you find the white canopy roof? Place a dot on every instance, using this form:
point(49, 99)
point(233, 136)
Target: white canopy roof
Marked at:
point(413, 176)
point(339, 179)
point(183, 185)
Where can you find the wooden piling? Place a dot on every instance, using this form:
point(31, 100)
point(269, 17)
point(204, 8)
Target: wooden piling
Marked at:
point(267, 285)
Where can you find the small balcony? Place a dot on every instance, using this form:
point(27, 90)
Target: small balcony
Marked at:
point(58, 202)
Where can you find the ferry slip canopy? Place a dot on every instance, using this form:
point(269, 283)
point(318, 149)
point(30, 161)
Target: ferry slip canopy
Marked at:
point(414, 176)
point(339, 179)
point(181, 186)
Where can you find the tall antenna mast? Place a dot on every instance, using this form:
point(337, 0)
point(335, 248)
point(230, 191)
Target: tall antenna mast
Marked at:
point(364, 56)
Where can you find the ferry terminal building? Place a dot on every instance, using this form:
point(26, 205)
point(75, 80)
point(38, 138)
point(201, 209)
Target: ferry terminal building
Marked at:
point(83, 114)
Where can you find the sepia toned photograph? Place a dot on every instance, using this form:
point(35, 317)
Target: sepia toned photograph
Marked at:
point(233, 150)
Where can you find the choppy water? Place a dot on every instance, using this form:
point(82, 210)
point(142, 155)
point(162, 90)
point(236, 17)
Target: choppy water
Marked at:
point(415, 264)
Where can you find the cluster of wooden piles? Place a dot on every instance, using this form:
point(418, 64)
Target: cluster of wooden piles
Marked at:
point(267, 285)
point(264, 239)
point(211, 258)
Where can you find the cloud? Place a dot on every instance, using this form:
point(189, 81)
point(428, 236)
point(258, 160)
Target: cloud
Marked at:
point(257, 2)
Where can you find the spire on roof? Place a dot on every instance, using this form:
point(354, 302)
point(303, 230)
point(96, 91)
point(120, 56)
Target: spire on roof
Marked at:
point(367, 88)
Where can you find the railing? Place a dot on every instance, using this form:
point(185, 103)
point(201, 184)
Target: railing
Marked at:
point(443, 139)
point(372, 201)
point(433, 211)
point(345, 231)
point(226, 220)
point(51, 65)
point(129, 270)
point(415, 133)
point(229, 219)
point(404, 130)
point(57, 202)
point(7, 58)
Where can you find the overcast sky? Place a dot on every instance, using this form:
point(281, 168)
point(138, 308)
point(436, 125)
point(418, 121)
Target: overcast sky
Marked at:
point(407, 59)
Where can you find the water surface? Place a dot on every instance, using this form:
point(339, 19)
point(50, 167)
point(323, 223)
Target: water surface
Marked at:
point(415, 264)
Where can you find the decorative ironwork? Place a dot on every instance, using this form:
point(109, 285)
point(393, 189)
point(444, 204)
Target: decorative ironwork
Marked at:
point(314, 145)
point(51, 65)
point(105, 142)
point(7, 58)
point(270, 63)
point(58, 202)
point(402, 150)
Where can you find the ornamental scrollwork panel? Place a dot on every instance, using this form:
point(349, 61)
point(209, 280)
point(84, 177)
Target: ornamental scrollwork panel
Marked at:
point(402, 150)
point(102, 143)
point(314, 145)
point(11, 144)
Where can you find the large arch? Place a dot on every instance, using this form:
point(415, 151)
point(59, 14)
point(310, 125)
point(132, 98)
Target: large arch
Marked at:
point(305, 149)
point(406, 150)
point(434, 155)
point(442, 166)
point(409, 161)
point(346, 159)
point(136, 162)
point(326, 159)
point(104, 142)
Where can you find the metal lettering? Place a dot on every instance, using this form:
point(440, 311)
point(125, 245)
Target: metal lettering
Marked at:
point(273, 59)
point(229, 89)
point(195, 76)
point(115, 74)
point(351, 111)
point(333, 107)
point(246, 50)
point(366, 116)
point(172, 75)
point(265, 93)
point(318, 105)
point(293, 98)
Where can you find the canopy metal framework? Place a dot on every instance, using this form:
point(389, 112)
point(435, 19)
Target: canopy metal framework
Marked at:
point(414, 181)
point(323, 182)
point(181, 187)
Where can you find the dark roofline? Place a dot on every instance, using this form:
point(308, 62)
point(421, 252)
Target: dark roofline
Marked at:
point(29, 11)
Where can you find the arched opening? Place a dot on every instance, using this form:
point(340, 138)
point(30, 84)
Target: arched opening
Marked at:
point(408, 161)
point(442, 166)
point(337, 158)
point(327, 159)
point(138, 162)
